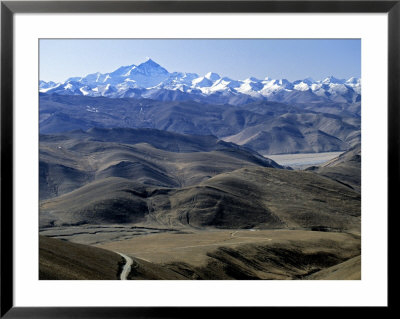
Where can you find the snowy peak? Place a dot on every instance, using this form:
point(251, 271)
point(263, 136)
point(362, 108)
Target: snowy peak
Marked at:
point(308, 80)
point(202, 82)
point(150, 80)
point(212, 76)
point(332, 79)
point(122, 71)
point(285, 84)
point(353, 81)
point(302, 86)
point(150, 67)
point(252, 79)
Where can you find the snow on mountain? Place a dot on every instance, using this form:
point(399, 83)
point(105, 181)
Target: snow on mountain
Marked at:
point(151, 80)
point(355, 84)
point(178, 81)
point(224, 84)
point(46, 85)
point(212, 76)
point(202, 82)
point(301, 86)
point(251, 86)
point(273, 87)
point(333, 80)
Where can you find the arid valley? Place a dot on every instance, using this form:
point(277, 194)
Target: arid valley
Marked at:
point(222, 212)
point(147, 174)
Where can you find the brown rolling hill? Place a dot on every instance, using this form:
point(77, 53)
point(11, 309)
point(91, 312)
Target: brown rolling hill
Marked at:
point(156, 178)
point(62, 260)
point(267, 198)
point(239, 254)
point(191, 207)
point(347, 270)
point(150, 157)
point(245, 198)
point(345, 169)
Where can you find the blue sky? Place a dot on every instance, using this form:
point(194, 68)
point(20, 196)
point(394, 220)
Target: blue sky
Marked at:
point(238, 59)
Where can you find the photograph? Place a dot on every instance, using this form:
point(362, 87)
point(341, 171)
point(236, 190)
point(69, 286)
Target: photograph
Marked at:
point(199, 159)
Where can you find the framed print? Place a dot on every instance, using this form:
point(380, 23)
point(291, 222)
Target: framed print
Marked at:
point(239, 154)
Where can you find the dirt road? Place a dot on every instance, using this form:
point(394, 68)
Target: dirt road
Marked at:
point(127, 268)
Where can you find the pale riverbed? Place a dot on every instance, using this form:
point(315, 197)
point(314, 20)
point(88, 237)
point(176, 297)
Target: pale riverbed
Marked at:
point(303, 160)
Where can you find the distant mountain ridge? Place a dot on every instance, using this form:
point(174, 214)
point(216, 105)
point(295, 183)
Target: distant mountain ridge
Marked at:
point(266, 127)
point(151, 81)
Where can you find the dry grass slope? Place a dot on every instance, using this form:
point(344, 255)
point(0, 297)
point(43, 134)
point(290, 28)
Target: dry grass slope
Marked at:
point(241, 254)
point(245, 198)
point(151, 157)
point(345, 169)
point(61, 260)
point(256, 197)
point(348, 270)
point(205, 209)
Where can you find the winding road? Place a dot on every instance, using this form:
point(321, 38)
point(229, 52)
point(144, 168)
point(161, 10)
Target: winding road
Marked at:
point(127, 268)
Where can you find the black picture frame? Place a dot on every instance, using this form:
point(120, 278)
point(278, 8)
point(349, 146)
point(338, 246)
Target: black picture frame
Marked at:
point(9, 8)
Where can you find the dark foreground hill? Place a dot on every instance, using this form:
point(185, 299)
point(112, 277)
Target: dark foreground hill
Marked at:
point(266, 127)
point(347, 270)
point(63, 260)
point(345, 169)
point(207, 255)
point(245, 198)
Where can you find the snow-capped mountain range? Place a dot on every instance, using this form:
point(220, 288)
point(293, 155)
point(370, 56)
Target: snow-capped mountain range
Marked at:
point(152, 81)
